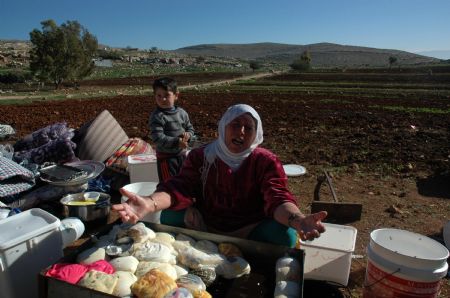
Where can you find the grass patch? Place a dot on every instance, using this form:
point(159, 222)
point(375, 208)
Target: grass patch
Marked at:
point(140, 70)
point(28, 100)
point(325, 90)
point(350, 85)
point(80, 95)
point(412, 110)
point(346, 83)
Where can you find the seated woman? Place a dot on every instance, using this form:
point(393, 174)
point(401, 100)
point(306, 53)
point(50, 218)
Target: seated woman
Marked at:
point(232, 187)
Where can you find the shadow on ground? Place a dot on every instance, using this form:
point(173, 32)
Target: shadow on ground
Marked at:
point(436, 185)
point(313, 288)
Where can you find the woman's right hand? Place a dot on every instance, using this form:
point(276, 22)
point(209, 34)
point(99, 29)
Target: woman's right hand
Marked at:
point(135, 208)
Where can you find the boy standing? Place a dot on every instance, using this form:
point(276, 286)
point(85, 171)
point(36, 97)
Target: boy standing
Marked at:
point(170, 128)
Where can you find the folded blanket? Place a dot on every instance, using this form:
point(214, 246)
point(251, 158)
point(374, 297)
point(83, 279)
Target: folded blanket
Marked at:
point(14, 178)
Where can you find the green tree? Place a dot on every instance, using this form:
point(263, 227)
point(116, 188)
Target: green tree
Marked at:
point(200, 59)
point(108, 54)
point(62, 53)
point(392, 61)
point(303, 63)
point(254, 65)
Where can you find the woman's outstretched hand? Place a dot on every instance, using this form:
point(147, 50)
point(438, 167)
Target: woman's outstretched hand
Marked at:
point(134, 209)
point(310, 226)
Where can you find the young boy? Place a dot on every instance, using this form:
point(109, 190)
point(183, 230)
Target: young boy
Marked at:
point(170, 128)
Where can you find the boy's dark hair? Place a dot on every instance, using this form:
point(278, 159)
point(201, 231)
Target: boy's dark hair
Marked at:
point(165, 83)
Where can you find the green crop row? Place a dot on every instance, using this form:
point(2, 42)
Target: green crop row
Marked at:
point(412, 110)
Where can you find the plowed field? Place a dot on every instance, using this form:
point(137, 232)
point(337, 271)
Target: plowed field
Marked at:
point(387, 146)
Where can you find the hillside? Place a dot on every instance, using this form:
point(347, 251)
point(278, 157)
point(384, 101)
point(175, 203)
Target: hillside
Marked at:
point(322, 54)
point(15, 52)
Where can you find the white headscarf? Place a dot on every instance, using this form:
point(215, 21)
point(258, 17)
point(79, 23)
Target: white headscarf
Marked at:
point(218, 147)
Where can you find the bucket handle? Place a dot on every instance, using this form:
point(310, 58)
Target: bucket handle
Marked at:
point(377, 281)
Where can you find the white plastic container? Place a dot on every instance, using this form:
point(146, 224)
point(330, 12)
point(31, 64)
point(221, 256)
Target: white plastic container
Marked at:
point(144, 189)
point(72, 228)
point(404, 263)
point(4, 213)
point(29, 242)
point(329, 257)
point(142, 168)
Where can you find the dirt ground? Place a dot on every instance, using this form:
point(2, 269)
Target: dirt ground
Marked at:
point(394, 163)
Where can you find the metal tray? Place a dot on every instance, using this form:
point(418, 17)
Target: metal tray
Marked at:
point(90, 167)
point(259, 283)
point(62, 173)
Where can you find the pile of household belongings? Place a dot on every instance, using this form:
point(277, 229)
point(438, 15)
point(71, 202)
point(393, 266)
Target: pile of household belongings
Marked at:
point(100, 140)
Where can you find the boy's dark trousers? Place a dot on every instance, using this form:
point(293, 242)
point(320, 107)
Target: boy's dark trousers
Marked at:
point(169, 165)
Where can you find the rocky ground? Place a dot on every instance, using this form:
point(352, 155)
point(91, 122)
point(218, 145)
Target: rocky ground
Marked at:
point(394, 163)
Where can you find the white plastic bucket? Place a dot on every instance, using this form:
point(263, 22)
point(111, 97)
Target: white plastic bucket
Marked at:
point(144, 189)
point(404, 264)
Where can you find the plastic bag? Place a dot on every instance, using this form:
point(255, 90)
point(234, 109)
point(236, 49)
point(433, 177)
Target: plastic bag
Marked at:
point(7, 151)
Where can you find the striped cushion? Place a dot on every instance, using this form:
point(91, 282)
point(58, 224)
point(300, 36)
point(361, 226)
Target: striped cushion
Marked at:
point(103, 137)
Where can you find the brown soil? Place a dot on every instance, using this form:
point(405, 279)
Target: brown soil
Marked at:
point(395, 163)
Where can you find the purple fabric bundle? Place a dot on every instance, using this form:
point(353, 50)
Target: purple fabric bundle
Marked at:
point(43, 136)
point(49, 144)
point(58, 151)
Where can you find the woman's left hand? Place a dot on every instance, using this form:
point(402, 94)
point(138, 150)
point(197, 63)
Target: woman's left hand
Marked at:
point(309, 226)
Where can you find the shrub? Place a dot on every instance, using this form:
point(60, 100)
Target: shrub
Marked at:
point(11, 78)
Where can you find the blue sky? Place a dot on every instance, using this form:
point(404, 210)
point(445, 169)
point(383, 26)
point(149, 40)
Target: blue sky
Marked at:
point(410, 25)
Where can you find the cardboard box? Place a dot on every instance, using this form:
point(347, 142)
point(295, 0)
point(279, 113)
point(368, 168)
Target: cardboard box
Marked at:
point(329, 257)
point(29, 242)
point(142, 168)
point(260, 283)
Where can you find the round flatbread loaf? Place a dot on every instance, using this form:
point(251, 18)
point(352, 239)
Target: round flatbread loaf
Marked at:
point(154, 284)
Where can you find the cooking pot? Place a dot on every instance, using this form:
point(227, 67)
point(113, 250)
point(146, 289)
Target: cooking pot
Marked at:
point(76, 206)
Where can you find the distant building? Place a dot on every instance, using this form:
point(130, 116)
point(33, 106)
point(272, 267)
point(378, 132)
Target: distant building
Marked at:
point(103, 63)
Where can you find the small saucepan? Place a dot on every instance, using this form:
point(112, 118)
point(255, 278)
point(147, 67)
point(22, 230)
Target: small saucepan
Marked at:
point(75, 205)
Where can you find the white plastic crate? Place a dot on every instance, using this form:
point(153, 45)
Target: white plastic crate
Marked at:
point(29, 242)
point(329, 257)
point(142, 168)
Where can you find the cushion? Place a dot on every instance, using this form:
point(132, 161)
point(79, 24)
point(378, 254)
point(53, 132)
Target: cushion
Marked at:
point(102, 138)
point(119, 159)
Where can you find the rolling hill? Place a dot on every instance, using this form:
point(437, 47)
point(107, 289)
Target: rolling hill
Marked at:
point(322, 54)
